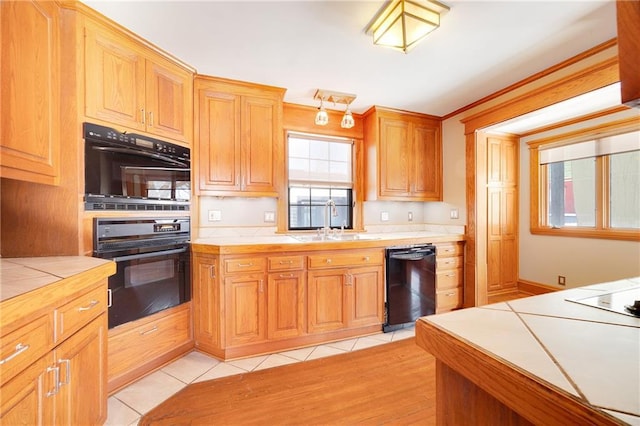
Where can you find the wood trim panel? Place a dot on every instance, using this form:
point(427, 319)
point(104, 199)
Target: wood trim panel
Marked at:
point(535, 288)
point(586, 80)
point(571, 61)
point(628, 20)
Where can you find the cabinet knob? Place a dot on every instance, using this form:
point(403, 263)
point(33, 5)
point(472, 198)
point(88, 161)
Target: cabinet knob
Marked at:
point(366, 258)
point(328, 260)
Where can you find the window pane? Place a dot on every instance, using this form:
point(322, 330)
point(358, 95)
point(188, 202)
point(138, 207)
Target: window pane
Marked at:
point(299, 196)
point(571, 193)
point(299, 216)
point(624, 190)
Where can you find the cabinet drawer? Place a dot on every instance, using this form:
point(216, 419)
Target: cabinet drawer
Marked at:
point(448, 279)
point(347, 259)
point(282, 263)
point(444, 263)
point(449, 249)
point(448, 299)
point(247, 264)
point(136, 346)
point(24, 346)
point(79, 312)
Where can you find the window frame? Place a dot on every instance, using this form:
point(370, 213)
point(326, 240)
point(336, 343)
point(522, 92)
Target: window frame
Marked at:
point(539, 184)
point(355, 165)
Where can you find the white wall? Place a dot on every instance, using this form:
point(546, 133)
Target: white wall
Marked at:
point(582, 261)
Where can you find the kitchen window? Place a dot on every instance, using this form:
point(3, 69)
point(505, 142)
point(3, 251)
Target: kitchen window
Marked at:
point(587, 187)
point(320, 169)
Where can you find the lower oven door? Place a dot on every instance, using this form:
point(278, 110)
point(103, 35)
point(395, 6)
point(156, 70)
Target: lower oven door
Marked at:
point(148, 283)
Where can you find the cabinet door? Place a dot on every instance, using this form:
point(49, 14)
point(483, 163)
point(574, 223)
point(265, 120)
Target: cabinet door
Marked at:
point(394, 158)
point(169, 100)
point(82, 398)
point(327, 309)
point(365, 297)
point(427, 163)
point(245, 305)
point(206, 305)
point(261, 144)
point(285, 309)
point(114, 78)
point(24, 400)
point(30, 91)
point(219, 141)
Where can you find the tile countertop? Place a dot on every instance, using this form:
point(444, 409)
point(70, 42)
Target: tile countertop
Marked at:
point(234, 244)
point(591, 354)
point(19, 276)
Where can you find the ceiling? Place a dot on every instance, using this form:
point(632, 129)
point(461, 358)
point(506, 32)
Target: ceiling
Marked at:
point(480, 47)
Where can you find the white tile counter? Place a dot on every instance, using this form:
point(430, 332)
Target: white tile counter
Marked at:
point(563, 357)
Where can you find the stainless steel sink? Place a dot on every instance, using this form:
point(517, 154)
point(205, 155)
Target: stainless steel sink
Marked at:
point(336, 237)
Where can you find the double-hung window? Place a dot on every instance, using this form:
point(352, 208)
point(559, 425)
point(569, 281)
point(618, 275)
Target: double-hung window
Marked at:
point(587, 188)
point(320, 169)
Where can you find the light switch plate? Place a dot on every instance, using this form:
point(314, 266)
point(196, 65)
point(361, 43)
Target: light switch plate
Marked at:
point(269, 217)
point(454, 214)
point(384, 216)
point(215, 215)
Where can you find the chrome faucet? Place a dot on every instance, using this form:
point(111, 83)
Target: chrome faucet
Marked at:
point(327, 221)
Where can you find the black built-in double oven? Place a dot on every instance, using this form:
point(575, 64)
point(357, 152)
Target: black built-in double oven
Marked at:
point(126, 173)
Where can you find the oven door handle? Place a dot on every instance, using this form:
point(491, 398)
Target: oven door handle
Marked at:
point(152, 254)
point(142, 153)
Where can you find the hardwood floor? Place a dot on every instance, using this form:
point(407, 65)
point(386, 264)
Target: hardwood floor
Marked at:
point(387, 384)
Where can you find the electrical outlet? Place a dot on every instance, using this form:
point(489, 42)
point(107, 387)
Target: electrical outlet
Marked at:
point(410, 216)
point(384, 216)
point(215, 215)
point(561, 280)
point(269, 217)
point(454, 214)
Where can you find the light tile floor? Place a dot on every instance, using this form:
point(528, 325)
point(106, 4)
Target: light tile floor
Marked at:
point(127, 406)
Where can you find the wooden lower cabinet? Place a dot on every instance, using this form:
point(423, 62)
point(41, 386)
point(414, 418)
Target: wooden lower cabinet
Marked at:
point(138, 347)
point(66, 386)
point(245, 309)
point(259, 303)
point(345, 297)
point(285, 304)
point(58, 378)
point(449, 276)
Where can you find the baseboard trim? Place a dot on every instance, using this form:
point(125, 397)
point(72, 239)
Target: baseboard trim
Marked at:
point(535, 288)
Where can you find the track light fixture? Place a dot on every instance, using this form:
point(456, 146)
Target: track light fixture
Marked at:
point(322, 118)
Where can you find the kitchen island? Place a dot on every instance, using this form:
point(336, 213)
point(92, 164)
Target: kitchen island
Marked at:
point(538, 360)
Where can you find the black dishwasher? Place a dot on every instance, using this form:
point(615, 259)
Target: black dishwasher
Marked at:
point(410, 285)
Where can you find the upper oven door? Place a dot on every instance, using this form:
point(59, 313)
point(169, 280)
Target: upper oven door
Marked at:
point(134, 170)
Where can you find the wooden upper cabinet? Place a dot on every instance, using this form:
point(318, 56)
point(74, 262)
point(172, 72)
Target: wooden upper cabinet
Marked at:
point(130, 85)
point(403, 156)
point(30, 91)
point(239, 138)
point(628, 19)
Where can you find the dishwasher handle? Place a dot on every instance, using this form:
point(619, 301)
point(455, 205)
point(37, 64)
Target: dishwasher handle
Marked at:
point(417, 253)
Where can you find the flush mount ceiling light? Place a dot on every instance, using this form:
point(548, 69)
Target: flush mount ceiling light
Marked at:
point(401, 24)
point(322, 118)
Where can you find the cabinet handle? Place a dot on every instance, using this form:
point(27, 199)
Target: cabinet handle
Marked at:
point(261, 286)
point(142, 113)
point(17, 351)
point(151, 330)
point(67, 375)
point(109, 298)
point(56, 380)
point(245, 265)
point(150, 118)
point(450, 294)
point(90, 306)
point(289, 262)
point(286, 275)
point(212, 271)
point(451, 275)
